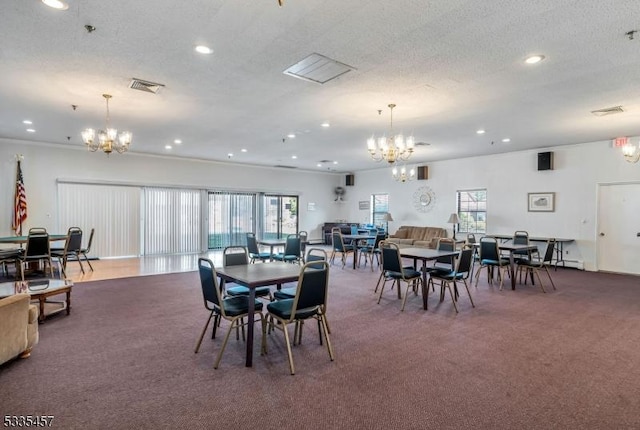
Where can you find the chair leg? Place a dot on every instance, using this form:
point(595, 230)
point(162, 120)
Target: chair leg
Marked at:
point(540, 280)
point(378, 283)
point(325, 327)
point(453, 299)
point(289, 352)
point(381, 290)
point(88, 262)
point(468, 292)
point(234, 324)
point(204, 330)
point(549, 275)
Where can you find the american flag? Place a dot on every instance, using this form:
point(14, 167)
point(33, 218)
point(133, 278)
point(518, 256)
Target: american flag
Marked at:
point(20, 208)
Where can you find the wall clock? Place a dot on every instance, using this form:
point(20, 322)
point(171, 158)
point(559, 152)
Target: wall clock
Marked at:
point(424, 199)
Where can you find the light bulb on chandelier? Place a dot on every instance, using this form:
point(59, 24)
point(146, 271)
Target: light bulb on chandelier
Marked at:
point(108, 139)
point(631, 152)
point(393, 148)
point(402, 175)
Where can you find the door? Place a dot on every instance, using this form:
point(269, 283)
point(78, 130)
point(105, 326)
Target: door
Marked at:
point(280, 216)
point(618, 235)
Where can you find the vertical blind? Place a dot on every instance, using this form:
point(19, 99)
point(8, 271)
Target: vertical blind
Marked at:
point(113, 210)
point(171, 221)
point(231, 217)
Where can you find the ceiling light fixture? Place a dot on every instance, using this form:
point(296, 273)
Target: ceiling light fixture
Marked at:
point(28, 122)
point(533, 59)
point(480, 131)
point(243, 150)
point(108, 139)
point(203, 49)
point(291, 136)
point(178, 142)
point(506, 140)
point(631, 152)
point(56, 4)
point(167, 147)
point(325, 124)
point(31, 130)
point(402, 175)
point(391, 148)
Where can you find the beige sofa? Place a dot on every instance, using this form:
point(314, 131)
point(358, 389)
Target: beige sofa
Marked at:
point(408, 235)
point(18, 327)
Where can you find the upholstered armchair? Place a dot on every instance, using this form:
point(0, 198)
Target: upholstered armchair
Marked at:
point(18, 327)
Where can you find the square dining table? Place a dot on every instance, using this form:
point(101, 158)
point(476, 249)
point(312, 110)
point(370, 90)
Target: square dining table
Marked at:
point(253, 276)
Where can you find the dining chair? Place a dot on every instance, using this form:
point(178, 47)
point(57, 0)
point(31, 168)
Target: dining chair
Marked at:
point(309, 302)
point(72, 248)
point(254, 251)
point(535, 266)
point(232, 309)
point(291, 253)
point(338, 246)
point(303, 235)
point(392, 270)
point(314, 254)
point(9, 256)
point(460, 273)
point(367, 248)
point(490, 258)
point(443, 264)
point(238, 256)
point(85, 251)
point(37, 249)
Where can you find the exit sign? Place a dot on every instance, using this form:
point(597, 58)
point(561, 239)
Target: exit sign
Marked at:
point(619, 142)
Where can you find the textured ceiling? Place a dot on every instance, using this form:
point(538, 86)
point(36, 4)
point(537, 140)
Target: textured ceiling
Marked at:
point(452, 67)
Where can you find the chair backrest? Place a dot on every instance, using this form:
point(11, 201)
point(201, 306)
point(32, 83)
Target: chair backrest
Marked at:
point(465, 260)
point(354, 229)
point(252, 244)
point(292, 245)
point(521, 238)
point(336, 240)
point(209, 283)
point(489, 248)
point(74, 240)
point(471, 238)
point(88, 248)
point(316, 254)
point(312, 287)
point(37, 243)
point(446, 244)
point(390, 253)
point(235, 256)
point(303, 235)
point(548, 253)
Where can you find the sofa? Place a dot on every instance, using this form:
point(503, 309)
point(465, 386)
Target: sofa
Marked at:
point(18, 327)
point(426, 237)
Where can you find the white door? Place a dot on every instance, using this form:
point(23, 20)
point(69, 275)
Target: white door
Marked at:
point(618, 234)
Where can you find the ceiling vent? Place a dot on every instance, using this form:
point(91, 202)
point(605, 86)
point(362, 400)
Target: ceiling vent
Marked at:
point(282, 166)
point(608, 111)
point(318, 68)
point(146, 86)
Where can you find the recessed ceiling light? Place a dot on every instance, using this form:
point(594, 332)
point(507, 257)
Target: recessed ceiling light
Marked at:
point(325, 124)
point(319, 164)
point(26, 121)
point(506, 140)
point(335, 162)
point(230, 154)
point(167, 147)
point(480, 131)
point(31, 130)
point(203, 49)
point(533, 59)
point(177, 142)
point(291, 136)
point(294, 157)
point(56, 4)
point(243, 150)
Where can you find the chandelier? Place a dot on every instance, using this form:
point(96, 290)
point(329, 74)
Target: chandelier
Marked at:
point(402, 175)
point(108, 139)
point(631, 152)
point(393, 148)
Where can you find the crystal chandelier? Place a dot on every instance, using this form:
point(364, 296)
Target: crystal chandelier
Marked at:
point(631, 152)
point(401, 175)
point(393, 148)
point(108, 139)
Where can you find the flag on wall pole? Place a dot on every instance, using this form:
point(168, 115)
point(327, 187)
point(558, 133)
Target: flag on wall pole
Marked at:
point(20, 206)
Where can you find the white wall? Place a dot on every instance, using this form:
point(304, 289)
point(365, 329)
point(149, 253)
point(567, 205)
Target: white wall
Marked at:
point(508, 178)
point(43, 165)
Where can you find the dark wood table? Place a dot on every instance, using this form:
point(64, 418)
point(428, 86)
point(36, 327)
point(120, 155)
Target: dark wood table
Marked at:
point(253, 276)
point(424, 255)
point(354, 241)
point(512, 264)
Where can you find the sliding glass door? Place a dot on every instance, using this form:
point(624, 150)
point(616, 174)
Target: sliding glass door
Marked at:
point(280, 216)
point(231, 217)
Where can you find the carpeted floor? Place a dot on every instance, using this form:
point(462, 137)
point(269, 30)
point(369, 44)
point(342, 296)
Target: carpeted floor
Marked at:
point(521, 359)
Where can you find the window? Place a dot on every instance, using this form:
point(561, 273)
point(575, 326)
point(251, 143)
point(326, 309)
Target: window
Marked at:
point(379, 208)
point(472, 210)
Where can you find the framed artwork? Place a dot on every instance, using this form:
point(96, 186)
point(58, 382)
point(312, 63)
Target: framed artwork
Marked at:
point(541, 202)
point(311, 206)
point(364, 205)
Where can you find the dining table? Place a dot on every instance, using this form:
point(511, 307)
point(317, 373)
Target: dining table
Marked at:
point(511, 248)
point(23, 239)
point(253, 276)
point(424, 255)
point(354, 241)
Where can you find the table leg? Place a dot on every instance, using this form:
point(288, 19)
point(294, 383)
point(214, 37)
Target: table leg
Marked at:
point(68, 302)
point(41, 316)
point(512, 270)
point(425, 289)
point(252, 309)
point(355, 254)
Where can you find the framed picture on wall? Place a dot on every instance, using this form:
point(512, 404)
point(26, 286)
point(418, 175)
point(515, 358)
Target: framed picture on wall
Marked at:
point(364, 205)
point(541, 202)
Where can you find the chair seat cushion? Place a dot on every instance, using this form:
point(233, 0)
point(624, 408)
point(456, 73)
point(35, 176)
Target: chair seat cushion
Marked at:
point(282, 309)
point(530, 263)
point(284, 257)
point(409, 273)
point(260, 255)
point(285, 293)
point(244, 291)
point(488, 262)
point(238, 305)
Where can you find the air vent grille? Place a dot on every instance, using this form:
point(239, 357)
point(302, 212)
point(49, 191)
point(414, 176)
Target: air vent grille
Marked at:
point(281, 166)
point(608, 111)
point(317, 68)
point(146, 86)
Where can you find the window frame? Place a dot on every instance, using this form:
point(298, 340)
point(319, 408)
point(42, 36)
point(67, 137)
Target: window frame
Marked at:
point(463, 226)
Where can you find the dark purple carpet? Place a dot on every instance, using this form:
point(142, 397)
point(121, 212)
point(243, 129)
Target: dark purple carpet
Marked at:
point(521, 359)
